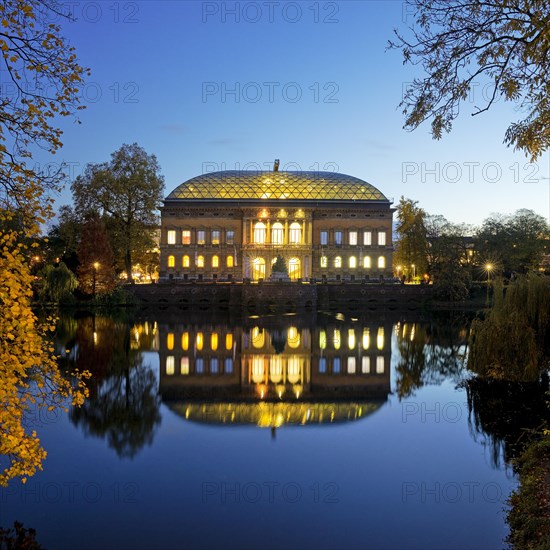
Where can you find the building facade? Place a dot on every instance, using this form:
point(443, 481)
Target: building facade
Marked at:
point(232, 225)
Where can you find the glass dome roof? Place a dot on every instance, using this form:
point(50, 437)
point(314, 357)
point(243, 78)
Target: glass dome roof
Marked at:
point(256, 185)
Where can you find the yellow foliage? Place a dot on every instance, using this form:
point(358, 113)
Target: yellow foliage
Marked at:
point(29, 376)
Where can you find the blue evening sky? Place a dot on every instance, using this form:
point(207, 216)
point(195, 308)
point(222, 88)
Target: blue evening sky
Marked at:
point(314, 87)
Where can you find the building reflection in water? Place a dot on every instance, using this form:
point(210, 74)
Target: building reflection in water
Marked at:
point(274, 373)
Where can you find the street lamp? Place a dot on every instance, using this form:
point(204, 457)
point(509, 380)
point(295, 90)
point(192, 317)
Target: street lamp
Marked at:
point(96, 265)
point(399, 272)
point(488, 267)
point(414, 271)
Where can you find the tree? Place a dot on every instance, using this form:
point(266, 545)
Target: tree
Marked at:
point(58, 283)
point(459, 44)
point(29, 378)
point(412, 244)
point(44, 81)
point(517, 242)
point(96, 270)
point(128, 190)
point(449, 262)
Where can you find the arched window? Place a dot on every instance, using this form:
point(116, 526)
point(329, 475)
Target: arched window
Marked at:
point(277, 233)
point(258, 337)
point(367, 264)
point(338, 262)
point(229, 261)
point(324, 261)
point(259, 233)
point(215, 262)
point(381, 262)
point(295, 235)
point(171, 261)
point(185, 261)
point(293, 338)
point(200, 261)
point(352, 262)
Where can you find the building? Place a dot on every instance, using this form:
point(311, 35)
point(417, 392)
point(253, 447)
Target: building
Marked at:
point(287, 373)
point(232, 225)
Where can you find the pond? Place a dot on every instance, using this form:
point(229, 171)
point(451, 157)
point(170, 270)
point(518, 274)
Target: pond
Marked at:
point(319, 431)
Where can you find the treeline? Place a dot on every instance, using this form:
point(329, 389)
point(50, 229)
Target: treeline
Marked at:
point(109, 232)
point(454, 256)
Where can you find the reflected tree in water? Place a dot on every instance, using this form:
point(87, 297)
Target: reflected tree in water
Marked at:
point(124, 406)
point(506, 416)
point(429, 354)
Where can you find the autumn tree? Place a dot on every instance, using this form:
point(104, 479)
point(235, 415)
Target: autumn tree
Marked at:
point(462, 45)
point(412, 244)
point(128, 191)
point(96, 270)
point(44, 79)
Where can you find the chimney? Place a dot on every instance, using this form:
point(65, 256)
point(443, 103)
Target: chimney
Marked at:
point(276, 165)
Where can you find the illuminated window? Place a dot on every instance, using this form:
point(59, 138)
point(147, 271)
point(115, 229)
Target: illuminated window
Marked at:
point(257, 369)
point(365, 364)
point(295, 233)
point(380, 338)
point(276, 369)
point(351, 365)
point(367, 263)
point(214, 365)
point(293, 338)
point(185, 261)
point(380, 365)
point(381, 238)
point(367, 238)
point(258, 268)
point(353, 238)
point(352, 262)
point(170, 341)
point(200, 261)
point(228, 341)
point(184, 365)
point(336, 338)
point(228, 365)
point(200, 340)
point(322, 365)
point(277, 233)
point(214, 341)
point(215, 236)
point(293, 369)
point(324, 238)
point(186, 236)
point(294, 271)
point(215, 261)
point(201, 237)
point(258, 337)
point(259, 233)
point(324, 261)
point(381, 262)
point(199, 365)
point(336, 365)
point(171, 261)
point(171, 236)
point(170, 365)
point(338, 237)
point(229, 261)
point(185, 341)
point(366, 338)
point(351, 338)
point(322, 339)
point(338, 262)
point(230, 237)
